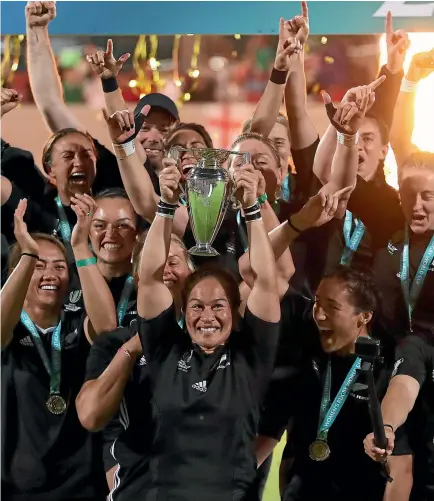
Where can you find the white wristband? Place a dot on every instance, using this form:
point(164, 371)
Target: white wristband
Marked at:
point(408, 86)
point(347, 139)
point(124, 150)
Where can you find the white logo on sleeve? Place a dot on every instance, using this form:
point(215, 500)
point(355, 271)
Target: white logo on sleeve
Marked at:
point(396, 366)
point(200, 386)
point(142, 360)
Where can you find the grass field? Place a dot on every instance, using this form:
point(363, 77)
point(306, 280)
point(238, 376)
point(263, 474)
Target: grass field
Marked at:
point(271, 492)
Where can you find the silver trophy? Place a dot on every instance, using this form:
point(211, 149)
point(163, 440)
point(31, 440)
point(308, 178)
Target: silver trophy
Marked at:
point(208, 190)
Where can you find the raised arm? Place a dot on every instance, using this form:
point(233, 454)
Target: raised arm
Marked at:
point(303, 132)
point(385, 99)
point(44, 78)
point(284, 263)
point(14, 291)
point(153, 296)
point(98, 300)
point(346, 119)
point(271, 100)
point(123, 129)
point(421, 66)
point(263, 301)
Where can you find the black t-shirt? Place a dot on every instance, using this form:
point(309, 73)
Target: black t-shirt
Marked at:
point(47, 457)
point(299, 397)
point(75, 302)
point(205, 408)
point(415, 358)
point(127, 438)
point(381, 212)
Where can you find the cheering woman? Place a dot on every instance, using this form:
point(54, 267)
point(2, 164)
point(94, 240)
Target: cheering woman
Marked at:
point(46, 453)
point(207, 381)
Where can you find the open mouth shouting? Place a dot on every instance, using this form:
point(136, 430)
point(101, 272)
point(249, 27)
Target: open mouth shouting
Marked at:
point(78, 178)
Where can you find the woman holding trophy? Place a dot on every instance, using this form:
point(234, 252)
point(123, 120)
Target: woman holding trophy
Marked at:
point(207, 381)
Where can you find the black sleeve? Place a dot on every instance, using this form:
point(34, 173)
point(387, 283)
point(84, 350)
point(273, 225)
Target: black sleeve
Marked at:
point(412, 359)
point(107, 170)
point(36, 218)
point(19, 167)
point(377, 205)
point(261, 339)
point(402, 445)
point(386, 96)
point(103, 351)
point(159, 334)
point(304, 184)
point(278, 405)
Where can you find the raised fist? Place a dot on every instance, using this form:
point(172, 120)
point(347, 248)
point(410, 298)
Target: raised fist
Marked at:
point(40, 13)
point(10, 99)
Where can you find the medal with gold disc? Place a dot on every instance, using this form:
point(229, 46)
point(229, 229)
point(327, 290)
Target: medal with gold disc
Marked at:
point(55, 403)
point(319, 449)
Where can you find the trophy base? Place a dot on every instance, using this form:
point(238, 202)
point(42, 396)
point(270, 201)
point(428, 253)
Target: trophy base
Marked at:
point(205, 250)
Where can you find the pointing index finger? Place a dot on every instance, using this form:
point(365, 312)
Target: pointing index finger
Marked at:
point(304, 10)
point(109, 50)
point(376, 83)
point(389, 25)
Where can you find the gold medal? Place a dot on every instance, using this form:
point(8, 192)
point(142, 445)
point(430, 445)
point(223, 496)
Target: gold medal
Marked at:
point(56, 404)
point(319, 450)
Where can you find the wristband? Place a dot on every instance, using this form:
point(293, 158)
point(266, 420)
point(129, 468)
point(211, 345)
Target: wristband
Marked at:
point(252, 213)
point(408, 86)
point(262, 199)
point(278, 76)
point(347, 139)
point(127, 353)
point(167, 205)
point(293, 227)
point(124, 150)
point(30, 255)
point(166, 210)
point(389, 426)
point(109, 84)
point(81, 263)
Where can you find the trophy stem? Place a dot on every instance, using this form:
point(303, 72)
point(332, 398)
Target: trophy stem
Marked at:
point(205, 250)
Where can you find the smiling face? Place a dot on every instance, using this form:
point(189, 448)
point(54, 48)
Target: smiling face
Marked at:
point(417, 198)
point(337, 319)
point(263, 160)
point(50, 280)
point(208, 314)
point(153, 133)
point(176, 270)
point(114, 230)
point(371, 149)
point(73, 164)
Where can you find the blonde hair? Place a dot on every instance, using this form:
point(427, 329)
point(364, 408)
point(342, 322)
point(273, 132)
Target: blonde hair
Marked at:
point(138, 247)
point(259, 137)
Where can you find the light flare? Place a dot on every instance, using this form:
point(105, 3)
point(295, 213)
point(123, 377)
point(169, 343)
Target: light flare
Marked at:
point(423, 136)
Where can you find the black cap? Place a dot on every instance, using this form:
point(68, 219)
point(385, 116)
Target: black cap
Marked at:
point(158, 100)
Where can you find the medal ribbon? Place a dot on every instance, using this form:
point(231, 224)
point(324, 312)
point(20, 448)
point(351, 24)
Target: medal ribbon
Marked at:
point(328, 413)
point(53, 368)
point(65, 229)
point(411, 294)
point(129, 286)
point(352, 242)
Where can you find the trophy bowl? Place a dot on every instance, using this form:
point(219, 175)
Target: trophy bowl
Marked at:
point(208, 190)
